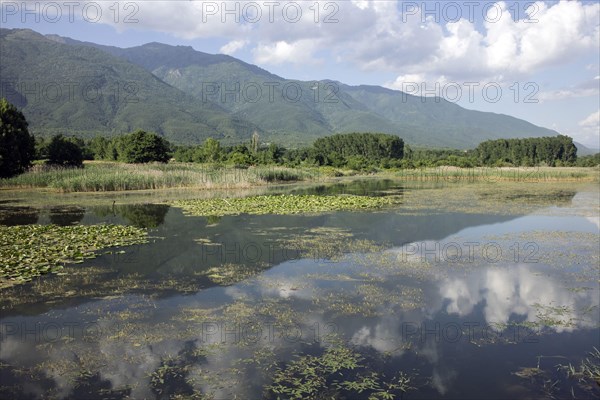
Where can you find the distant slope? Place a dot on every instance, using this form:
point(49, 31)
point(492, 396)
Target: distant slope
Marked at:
point(583, 150)
point(287, 110)
point(179, 93)
point(454, 126)
point(77, 89)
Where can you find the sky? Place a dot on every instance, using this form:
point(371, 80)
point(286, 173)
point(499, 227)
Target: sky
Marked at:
point(539, 61)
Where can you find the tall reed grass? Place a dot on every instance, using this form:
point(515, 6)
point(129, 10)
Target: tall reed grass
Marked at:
point(108, 176)
point(112, 176)
point(505, 174)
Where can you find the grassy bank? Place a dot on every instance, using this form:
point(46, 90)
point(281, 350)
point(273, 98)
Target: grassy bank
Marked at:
point(112, 176)
point(504, 174)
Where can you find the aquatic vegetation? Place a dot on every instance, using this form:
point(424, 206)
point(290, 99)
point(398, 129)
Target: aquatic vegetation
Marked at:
point(283, 204)
point(329, 245)
point(369, 299)
point(588, 370)
point(310, 376)
point(281, 174)
point(229, 273)
point(339, 372)
point(27, 251)
point(565, 380)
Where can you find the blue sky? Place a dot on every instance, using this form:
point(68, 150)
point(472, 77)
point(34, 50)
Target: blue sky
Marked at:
point(543, 56)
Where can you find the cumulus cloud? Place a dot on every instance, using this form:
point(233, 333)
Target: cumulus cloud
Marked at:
point(233, 46)
point(592, 120)
point(589, 130)
point(300, 52)
point(506, 49)
point(517, 291)
point(381, 35)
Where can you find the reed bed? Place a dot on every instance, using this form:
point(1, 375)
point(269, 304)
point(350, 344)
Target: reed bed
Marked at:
point(105, 176)
point(112, 176)
point(505, 174)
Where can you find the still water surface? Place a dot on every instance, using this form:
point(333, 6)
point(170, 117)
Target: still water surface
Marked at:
point(460, 292)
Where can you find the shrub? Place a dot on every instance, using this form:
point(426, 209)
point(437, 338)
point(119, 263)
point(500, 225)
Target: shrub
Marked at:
point(64, 152)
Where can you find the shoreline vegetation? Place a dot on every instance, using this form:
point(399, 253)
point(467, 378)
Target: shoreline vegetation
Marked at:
point(107, 176)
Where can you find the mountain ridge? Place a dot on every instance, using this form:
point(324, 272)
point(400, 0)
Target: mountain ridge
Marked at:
point(202, 95)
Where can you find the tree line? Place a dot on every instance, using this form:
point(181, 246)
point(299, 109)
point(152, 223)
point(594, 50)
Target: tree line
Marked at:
point(358, 151)
point(551, 151)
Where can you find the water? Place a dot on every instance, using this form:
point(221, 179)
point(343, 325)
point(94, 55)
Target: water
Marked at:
point(457, 290)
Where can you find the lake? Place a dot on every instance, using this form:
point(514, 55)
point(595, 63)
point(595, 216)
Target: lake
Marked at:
point(463, 291)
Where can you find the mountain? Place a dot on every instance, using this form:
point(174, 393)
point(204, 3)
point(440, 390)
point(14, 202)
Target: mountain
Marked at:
point(78, 89)
point(456, 126)
point(336, 108)
point(289, 111)
point(583, 150)
point(188, 95)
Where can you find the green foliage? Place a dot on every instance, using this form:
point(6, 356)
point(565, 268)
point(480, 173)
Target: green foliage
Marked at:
point(142, 147)
point(589, 161)
point(99, 148)
point(339, 372)
point(371, 146)
point(359, 151)
point(17, 146)
point(64, 152)
point(211, 151)
point(528, 152)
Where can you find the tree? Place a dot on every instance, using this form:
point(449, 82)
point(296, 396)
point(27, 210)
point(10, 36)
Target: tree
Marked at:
point(64, 152)
point(211, 150)
point(530, 151)
point(17, 146)
point(41, 148)
point(143, 147)
point(372, 146)
point(254, 144)
point(99, 148)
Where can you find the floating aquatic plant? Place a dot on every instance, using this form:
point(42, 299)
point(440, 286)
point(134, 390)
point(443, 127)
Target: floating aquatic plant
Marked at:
point(282, 204)
point(27, 251)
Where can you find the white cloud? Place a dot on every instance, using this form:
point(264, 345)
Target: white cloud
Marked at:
point(514, 291)
point(300, 52)
point(588, 132)
point(592, 120)
point(506, 49)
point(568, 94)
point(233, 46)
point(376, 35)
